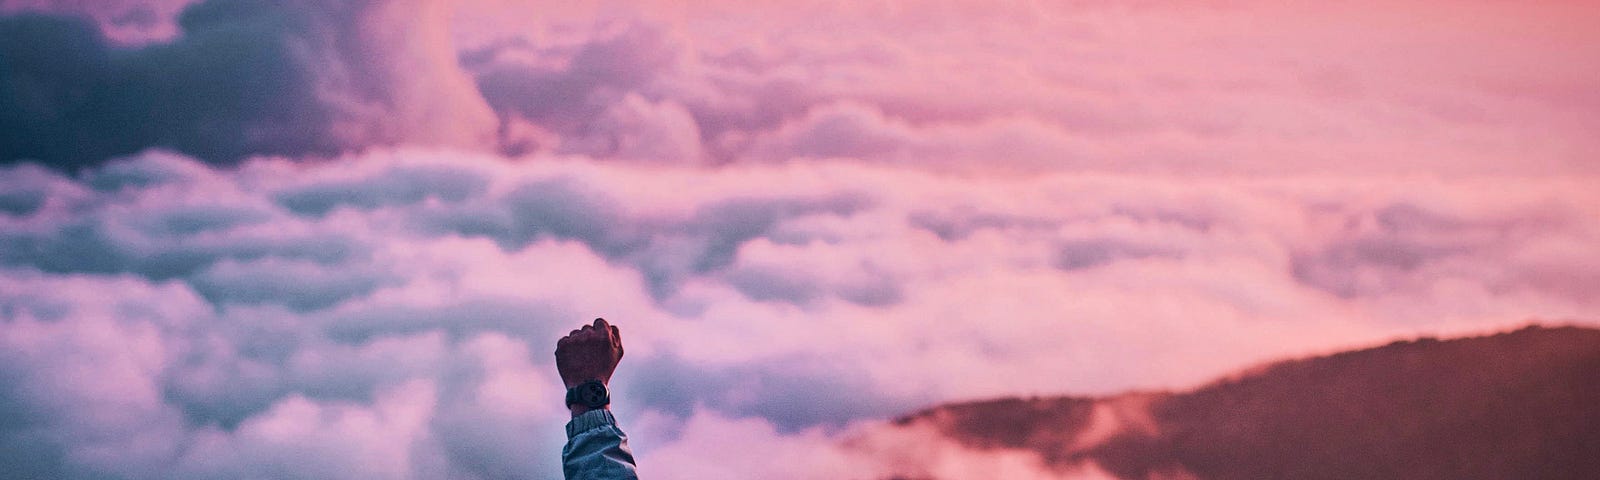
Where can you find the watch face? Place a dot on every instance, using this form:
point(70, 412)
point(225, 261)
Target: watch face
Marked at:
point(593, 394)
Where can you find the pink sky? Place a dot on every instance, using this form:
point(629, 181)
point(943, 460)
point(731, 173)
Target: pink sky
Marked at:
point(806, 217)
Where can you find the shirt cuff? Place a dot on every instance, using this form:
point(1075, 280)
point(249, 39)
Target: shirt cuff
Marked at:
point(590, 420)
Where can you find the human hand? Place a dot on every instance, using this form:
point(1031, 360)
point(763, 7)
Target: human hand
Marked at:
point(589, 353)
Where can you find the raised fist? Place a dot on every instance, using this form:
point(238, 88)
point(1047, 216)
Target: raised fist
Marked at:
point(589, 353)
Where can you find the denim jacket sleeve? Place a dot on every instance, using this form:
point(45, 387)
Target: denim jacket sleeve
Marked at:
point(596, 449)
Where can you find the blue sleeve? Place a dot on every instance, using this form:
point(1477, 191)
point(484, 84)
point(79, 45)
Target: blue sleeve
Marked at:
point(596, 449)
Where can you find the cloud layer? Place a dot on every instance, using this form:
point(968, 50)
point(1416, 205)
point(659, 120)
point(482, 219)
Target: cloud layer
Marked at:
point(303, 319)
point(339, 239)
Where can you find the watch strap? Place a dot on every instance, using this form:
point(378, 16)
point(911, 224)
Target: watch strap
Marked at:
point(590, 394)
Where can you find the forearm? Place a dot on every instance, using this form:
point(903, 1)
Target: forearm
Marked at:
point(596, 448)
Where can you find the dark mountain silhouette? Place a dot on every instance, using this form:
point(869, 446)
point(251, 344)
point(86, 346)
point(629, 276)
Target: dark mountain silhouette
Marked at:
point(1521, 404)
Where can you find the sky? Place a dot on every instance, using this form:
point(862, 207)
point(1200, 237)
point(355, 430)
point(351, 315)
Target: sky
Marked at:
point(338, 239)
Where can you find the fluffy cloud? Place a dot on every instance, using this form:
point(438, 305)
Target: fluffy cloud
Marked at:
point(1179, 88)
point(402, 304)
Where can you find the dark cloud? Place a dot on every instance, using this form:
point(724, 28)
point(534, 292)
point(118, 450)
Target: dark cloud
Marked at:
point(219, 93)
point(1364, 266)
point(81, 247)
point(55, 70)
point(194, 219)
point(298, 286)
point(243, 77)
point(666, 250)
point(21, 203)
point(1402, 246)
point(877, 290)
point(565, 209)
point(710, 239)
point(153, 168)
point(773, 283)
point(550, 208)
point(958, 224)
point(26, 446)
point(215, 385)
point(729, 223)
point(759, 283)
point(105, 246)
point(396, 187)
point(461, 319)
point(1088, 253)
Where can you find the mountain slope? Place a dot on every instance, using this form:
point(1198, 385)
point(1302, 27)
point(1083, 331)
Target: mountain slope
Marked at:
point(1522, 404)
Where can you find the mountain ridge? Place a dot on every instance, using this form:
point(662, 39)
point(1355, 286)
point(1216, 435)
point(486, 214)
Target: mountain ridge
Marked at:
point(1517, 404)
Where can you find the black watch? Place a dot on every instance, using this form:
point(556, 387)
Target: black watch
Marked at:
point(590, 394)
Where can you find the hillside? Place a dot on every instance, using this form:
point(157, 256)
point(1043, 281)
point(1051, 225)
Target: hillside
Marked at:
point(1521, 404)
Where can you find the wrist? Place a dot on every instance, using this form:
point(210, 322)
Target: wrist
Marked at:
point(588, 396)
point(586, 379)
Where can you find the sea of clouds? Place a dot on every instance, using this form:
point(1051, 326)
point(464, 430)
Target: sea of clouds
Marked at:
point(281, 239)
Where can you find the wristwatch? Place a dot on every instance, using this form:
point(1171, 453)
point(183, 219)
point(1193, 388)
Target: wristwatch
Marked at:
point(590, 394)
